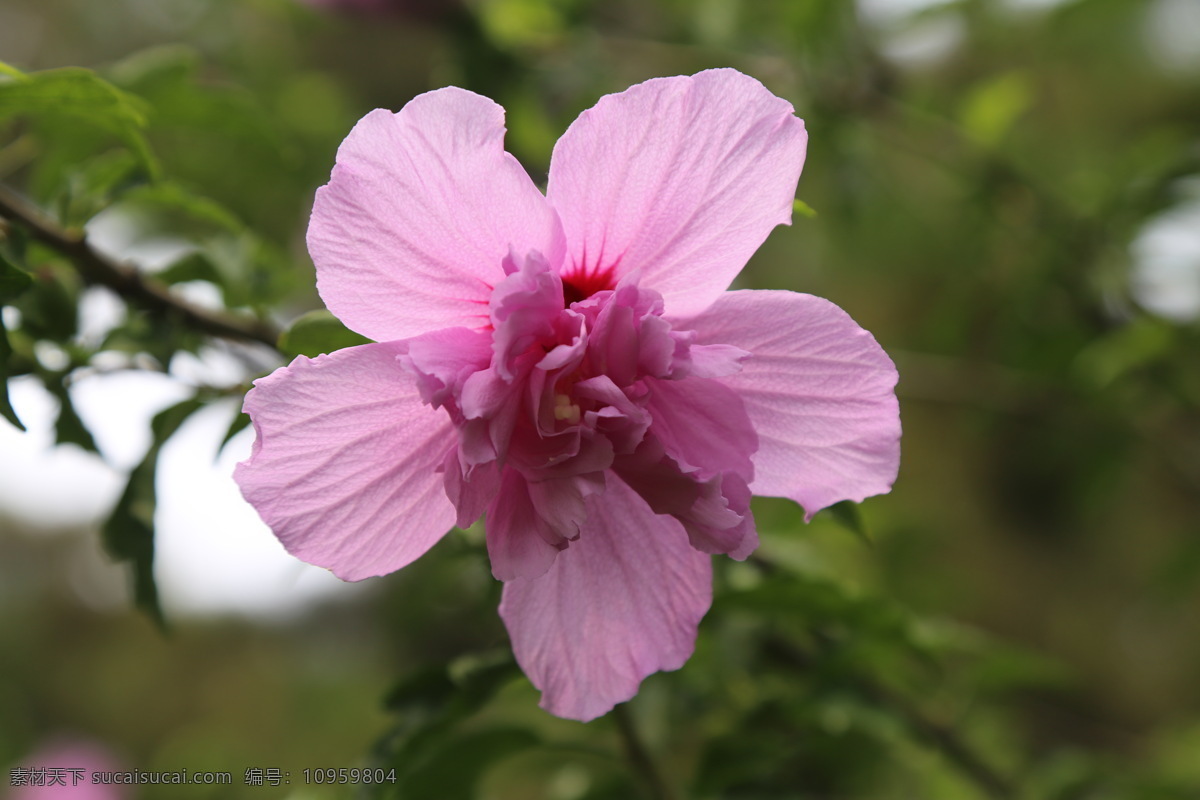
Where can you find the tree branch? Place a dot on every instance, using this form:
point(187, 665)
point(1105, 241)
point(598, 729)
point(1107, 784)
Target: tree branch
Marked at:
point(98, 270)
point(639, 757)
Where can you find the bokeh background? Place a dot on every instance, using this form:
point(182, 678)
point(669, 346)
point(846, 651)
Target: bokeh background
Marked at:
point(1005, 192)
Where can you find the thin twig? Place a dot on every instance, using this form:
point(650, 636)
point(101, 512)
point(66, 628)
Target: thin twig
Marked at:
point(639, 756)
point(98, 270)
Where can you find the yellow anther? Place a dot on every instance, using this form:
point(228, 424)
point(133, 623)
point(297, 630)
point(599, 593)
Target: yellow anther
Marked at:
point(564, 409)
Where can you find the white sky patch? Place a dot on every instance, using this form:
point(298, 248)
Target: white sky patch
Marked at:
point(926, 41)
point(1036, 5)
point(121, 236)
point(211, 367)
point(886, 13)
point(1172, 35)
point(214, 556)
point(50, 487)
point(200, 293)
point(908, 40)
point(100, 310)
point(1166, 261)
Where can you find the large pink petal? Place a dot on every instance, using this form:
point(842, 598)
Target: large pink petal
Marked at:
point(819, 391)
point(411, 231)
point(621, 602)
point(677, 179)
point(344, 468)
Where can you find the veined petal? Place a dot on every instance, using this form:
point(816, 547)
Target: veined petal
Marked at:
point(819, 390)
point(411, 231)
point(344, 468)
point(678, 180)
point(621, 602)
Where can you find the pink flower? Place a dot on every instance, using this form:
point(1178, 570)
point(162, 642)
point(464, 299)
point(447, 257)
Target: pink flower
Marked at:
point(571, 365)
point(65, 768)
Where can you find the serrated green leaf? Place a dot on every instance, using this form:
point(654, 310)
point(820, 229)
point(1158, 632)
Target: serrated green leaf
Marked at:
point(318, 332)
point(128, 533)
point(78, 95)
point(6, 409)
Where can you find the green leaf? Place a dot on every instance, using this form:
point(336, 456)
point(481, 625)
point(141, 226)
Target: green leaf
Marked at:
point(75, 95)
point(453, 771)
point(1115, 354)
point(91, 187)
point(195, 266)
point(994, 106)
point(849, 516)
point(6, 409)
point(318, 332)
point(199, 122)
point(455, 691)
point(69, 429)
point(429, 706)
point(49, 308)
point(13, 280)
point(128, 534)
point(187, 208)
point(240, 422)
point(425, 692)
point(803, 209)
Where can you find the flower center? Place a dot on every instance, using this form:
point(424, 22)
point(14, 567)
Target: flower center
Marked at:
point(584, 283)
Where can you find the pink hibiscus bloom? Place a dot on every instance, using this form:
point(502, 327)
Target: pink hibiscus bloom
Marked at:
point(570, 364)
point(62, 769)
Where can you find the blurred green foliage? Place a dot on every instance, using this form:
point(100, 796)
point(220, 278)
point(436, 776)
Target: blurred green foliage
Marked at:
point(1023, 622)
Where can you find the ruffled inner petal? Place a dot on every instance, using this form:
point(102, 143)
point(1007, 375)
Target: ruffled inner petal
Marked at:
point(566, 393)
